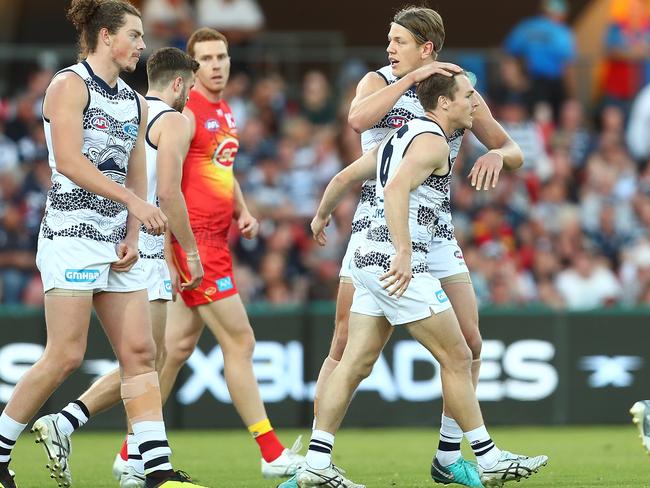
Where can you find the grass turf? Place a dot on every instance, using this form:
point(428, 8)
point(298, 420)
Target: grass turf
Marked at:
point(580, 457)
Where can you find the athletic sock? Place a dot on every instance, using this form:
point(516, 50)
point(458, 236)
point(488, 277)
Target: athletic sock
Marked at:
point(451, 435)
point(124, 452)
point(270, 446)
point(133, 453)
point(319, 455)
point(486, 452)
point(9, 432)
point(153, 446)
point(73, 416)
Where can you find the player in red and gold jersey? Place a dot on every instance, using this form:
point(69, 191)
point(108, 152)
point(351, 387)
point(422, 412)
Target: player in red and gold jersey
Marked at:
point(213, 200)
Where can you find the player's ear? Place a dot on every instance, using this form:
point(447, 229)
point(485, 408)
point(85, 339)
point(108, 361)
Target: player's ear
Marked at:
point(105, 36)
point(427, 49)
point(178, 83)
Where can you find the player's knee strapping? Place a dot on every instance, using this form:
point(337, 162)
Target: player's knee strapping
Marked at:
point(141, 396)
point(62, 292)
point(457, 278)
point(143, 404)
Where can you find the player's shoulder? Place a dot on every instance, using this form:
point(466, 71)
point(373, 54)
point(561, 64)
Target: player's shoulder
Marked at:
point(173, 120)
point(375, 80)
point(66, 79)
point(67, 88)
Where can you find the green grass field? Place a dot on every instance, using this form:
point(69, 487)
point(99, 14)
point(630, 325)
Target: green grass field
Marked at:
point(579, 457)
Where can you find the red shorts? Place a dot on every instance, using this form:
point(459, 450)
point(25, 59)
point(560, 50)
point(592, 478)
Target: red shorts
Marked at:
point(218, 281)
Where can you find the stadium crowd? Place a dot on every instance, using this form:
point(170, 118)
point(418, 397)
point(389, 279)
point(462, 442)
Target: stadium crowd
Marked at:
point(569, 230)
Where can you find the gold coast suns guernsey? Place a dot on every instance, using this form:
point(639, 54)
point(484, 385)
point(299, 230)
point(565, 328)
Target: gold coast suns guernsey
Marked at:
point(208, 178)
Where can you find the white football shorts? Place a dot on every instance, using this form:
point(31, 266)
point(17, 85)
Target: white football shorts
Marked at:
point(423, 297)
point(71, 263)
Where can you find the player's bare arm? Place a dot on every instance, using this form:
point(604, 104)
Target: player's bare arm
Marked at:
point(171, 134)
point(174, 275)
point(190, 116)
point(374, 99)
point(127, 249)
point(427, 154)
point(503, 152)
point(362, 169)
point(247, 224)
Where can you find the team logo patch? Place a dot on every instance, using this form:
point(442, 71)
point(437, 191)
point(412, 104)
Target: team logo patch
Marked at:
point(441, 297)
point(81, 275)
point(458, 254)
point(99, 122)
point(167, 285)
point(224, 284)
point(225, 154)
point(131, 130)
point(210, 291)
point(211, 125)
point(396, 121)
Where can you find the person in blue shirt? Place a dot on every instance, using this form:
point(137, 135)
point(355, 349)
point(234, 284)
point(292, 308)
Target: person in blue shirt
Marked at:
point(546, 45)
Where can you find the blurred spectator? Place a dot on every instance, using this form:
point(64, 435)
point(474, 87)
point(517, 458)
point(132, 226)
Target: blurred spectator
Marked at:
point(316, 103)
point(607, 238)
point(512, 83)
point(238, 20)
point(525, 132)
point(572, 134)
point(236, 92)
point(588, 283)
point(9, 155)
point(637, 130)
point(547, 47)
point(17, 246)
point(167, 23)
point(23, 119)
point(627, 46)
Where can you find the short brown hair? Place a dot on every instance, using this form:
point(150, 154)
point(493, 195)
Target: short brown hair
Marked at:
point(202, 35)
point(425, 24)
point(166, 64)
point(435, 86)
point(91, 16)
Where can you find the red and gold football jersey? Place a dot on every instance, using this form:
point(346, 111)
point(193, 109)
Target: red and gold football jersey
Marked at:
point(208, 179)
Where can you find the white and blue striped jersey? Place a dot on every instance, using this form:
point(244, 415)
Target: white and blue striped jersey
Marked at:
point(150, 246)
point(407, 108)
point(111, 121)
point(425, 202)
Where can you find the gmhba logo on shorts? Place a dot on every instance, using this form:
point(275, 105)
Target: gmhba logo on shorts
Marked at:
point(81, 275)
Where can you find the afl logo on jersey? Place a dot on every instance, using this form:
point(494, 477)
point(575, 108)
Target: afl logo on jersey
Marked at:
point(131, 130)
point(212, 125)
point(226, 152)
point(99, 122)
point(396, 121)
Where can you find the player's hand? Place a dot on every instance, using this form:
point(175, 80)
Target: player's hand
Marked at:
point(248, 225)
point(318, 225)
point(128, 256)
point(196, 273)
point(486, 170)
point(151, 216)
point(423, 72)
point(399, 275)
